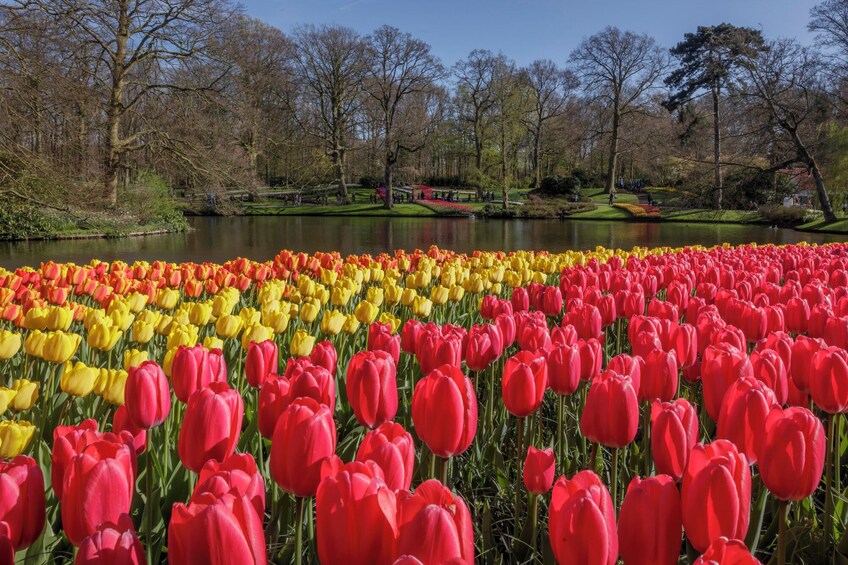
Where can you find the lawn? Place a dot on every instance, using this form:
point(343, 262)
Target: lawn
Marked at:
point(707, 215)
point(598, 196)
point(819, 225)
point(602, 213)
point(367, 209)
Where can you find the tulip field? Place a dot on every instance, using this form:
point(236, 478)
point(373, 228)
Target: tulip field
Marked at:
point(651, 406)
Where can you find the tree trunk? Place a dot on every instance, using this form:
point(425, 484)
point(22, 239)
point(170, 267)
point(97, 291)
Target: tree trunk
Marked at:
point(341, 173)
point(115, 111)
point(537, 157)
point(821, 191)
point(613, 154)
point(478, 155)
point(387, 181)
point(719, 189)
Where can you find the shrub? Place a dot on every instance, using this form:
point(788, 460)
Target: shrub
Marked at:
point(557, 185)
point(784, 215)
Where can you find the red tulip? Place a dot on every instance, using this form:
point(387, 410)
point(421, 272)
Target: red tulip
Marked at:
point(305, 435)
point(444, 411)
point(523, 384)
point(581, 521)
point(97, 487)
point(409, 335)
point(651, 522)
point(791, 457)
point(519, 299)
point(22, 503)
point(211, 426)
point(674, 432)
point(112, 544)
point(591, 358)
point(274, 398)
point(380, 338)
point(685, 344)
point(121, 423)
point(659, 376)
point(533, 335)
point(261, 361)
point(743, 413)
point(392, 449)
point(716, 494)
point(722, 365)
point(192, 369)
point(586, 319)
point(801, 365)
point(797, 315)
point(435, 350)
point(356, 516)
point(67, 442)
point(606, 306)
point(723, 551)
point(435, 526)
point(148, 396)
point(563, 363)
point(372, 387)
point(644, 342)
point(216, 529)
point(551, 301)
point(506, 323)
point(324, 355)
point(564, 335)
point(770, 369)
point(239, 474)
point(484, 346)
point(611, 414)
point(539, 470)
point(315, 382)
point(829, 380)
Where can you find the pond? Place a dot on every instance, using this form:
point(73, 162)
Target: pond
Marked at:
point(218, 239)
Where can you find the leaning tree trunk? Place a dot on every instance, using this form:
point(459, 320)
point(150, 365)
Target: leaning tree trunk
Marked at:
point(537, 157)
point(478, 156)
point(718, 184)
point(341, 173)
point(813, 167)
point(613, 155)
point(387, 181)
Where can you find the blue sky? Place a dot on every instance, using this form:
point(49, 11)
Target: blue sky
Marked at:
point(529, 29)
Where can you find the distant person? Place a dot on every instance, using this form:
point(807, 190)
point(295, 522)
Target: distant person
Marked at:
point(611, 198)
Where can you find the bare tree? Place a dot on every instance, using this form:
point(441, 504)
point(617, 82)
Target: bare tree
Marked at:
point(403, 77)
point(139, 43)
point(475, 77)
point(330, 64)
point(551, 87)
point(618, 67)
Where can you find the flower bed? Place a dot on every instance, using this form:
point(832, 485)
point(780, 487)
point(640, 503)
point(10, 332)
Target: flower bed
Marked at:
point(428, 407)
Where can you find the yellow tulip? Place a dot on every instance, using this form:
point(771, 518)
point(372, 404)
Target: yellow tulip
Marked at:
point(10, 344)
point(213, 342)
point(329, 277)
point(142, 332)
point(305, 285)
point(200, 313)
point(168, 361)
point(301, 344)
point(393, 294)
point(167, 298)
point(250, 316)
point(77, 379)
point(439, 295)
point(322, 295)
point(151, 317)
point(222, 305)
point(374, 295)
point(93, 316)
point(134, 358)
point(276, 320)
point(35, 319)
point(387, 318)
point(539, 277)
point(110, 385)
point(228, 326)
point(351, 324)
point(14, 438)
point(271, 290)
point(366, 312)
point(59, 346)
point(122, 319)
point(421, 307)
point(26, 394)
point(340, 296)
point(103, 336)
point(136, 302)
point(181, 317)
point(475, 284)
point(182, 335)
point(497, 288)
point(257, 333)
point(456, 293)
point(34, 344)
point(408, 296)
point(163, 327)
point(332, 322)
point(60, 318)
point(6, 397)
point(309, 311)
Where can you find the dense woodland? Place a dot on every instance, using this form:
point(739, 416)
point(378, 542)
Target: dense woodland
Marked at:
point(103, 98)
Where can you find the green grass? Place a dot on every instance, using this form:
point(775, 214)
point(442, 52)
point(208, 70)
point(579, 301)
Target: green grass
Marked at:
point(707, 215)
point(820, 225)
point(602, 213)
point(598, 196)
point(367, 209)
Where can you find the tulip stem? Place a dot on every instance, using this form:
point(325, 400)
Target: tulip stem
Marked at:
point(646, 437)
point(828, 498)
point(560, 449)
point(432, 465)
point(781, 536)
point(445, 465)
point(148, 511)
point(593, 457)
point(614, 480)
point(519, 471)
point(298, 531)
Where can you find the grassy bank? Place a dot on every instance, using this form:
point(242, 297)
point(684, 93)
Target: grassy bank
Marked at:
point(399, 210)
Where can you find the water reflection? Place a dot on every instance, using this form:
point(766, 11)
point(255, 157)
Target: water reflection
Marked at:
point(260, 238)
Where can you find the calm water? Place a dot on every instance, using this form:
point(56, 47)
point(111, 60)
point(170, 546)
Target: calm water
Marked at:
point(260, 238)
